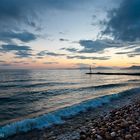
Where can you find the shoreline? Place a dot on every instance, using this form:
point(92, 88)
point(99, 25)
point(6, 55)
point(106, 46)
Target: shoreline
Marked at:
point(75, 124)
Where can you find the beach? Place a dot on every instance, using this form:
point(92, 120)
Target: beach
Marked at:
point(118, 120)
point(69, 70)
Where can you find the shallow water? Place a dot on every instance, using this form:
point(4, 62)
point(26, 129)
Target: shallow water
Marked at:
point(31, 93)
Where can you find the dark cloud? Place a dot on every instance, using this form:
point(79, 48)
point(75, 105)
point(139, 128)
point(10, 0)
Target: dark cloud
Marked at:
point(54, 54)
point(50, 63)
point(86, 57)
point(13, 12)
point(18, 62)
point(19, 51)
point(123, 23)
point(22, 54)
point(122, 53)
point(63, 39)
point(14, 15)
point(70, 49)
point(2, 61)
point(132, 53)
point(45, 53)
point(62, 33)
point(98, 45)
point(8, 48)
point(23, 36)
point(137, 50)
point(39, 57)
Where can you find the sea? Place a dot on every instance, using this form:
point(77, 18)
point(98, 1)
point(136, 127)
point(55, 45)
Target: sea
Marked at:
point(41, 98)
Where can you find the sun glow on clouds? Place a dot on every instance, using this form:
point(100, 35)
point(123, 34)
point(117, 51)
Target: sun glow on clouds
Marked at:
point(69, 34)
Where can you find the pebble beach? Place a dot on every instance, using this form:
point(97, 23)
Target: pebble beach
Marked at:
point(120, 124)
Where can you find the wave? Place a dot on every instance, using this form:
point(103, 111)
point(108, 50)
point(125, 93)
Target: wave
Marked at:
point(58, 91)
point(22, 80)
point(71, 90)
point(105, 86)
point(42, 94)
point(57, 117)
point(34, 85)
point(50, 84)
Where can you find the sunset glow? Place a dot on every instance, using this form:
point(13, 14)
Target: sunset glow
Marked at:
point(66, 34)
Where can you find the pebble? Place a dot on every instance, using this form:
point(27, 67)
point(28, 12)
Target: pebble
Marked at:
point(99, 137)
point(121, 124)
point(128, 136)
point(113, 134)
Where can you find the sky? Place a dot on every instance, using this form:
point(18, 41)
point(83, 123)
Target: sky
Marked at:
point(69, 33)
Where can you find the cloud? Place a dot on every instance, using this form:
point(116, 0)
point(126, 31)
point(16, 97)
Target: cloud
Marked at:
point(39, 57)
point(23, 36)
point(70, 49)
point(15, 12)
point(123, 23)
point(22, 54)
point(62, 33)
point(134, 63)
point(134, 52)
point(18, 62)
point(2, 61)
point(122, 53)
point(50, 63)
point(98, 45)
point(15, 15)
point(8, 48)
point(137, 50)
point(45, 53)
point(19, 51)
point(86, 57)
point(63, 39)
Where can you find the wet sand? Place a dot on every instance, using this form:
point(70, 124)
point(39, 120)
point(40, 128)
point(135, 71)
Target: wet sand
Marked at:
point(82, 126)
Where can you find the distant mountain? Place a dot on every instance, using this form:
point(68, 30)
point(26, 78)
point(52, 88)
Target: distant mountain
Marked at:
point(104, 68)
point(133, 68)
point(96, 68)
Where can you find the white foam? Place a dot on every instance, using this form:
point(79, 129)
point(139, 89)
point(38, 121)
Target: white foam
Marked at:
point(56, 117)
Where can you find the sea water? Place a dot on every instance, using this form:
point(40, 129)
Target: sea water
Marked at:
point(40, 98)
